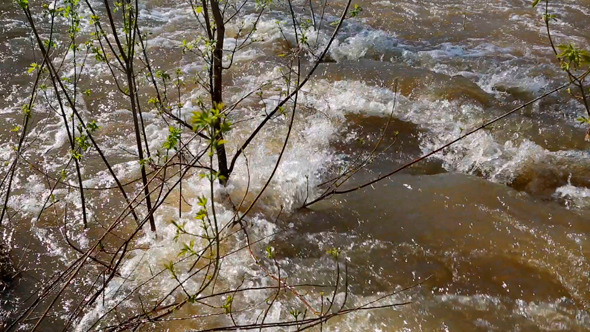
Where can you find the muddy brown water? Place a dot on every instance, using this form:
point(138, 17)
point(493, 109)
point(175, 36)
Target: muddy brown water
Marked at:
point(496, 230)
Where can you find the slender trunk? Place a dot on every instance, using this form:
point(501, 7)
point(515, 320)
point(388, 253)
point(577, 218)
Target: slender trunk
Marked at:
point(139, 127)
point(217, 89)
point(138, 142)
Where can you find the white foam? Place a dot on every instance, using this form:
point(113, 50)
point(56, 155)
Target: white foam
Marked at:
point(578, 197)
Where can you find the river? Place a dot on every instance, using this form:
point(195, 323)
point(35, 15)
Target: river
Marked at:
point(494, 232)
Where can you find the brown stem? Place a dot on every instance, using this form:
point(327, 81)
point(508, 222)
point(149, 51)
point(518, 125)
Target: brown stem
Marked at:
point(217, 89)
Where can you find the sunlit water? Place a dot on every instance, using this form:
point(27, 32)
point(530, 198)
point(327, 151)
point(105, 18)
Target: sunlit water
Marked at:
point(498, 224)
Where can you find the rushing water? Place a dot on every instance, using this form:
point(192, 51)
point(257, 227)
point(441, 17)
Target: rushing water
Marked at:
point(499, 223)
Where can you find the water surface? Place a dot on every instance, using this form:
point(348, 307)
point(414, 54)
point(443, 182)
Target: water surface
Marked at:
point(495, 228)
